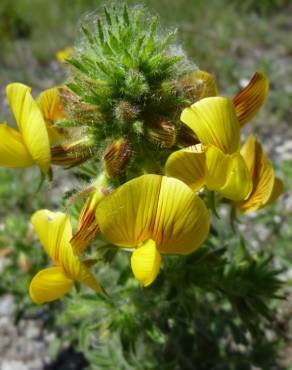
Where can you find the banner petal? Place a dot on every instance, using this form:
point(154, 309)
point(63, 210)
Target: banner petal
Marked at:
point(277, 190)
point(50, 105)
point(31, 124)
point(214, 121)
point(182, 219)
point(54, 231)
point(249, 100)
point(126, 216)
point(13, 152)
point(266, 187)
point(160, 208)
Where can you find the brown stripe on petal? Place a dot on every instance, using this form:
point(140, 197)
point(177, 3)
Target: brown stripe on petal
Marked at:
point(116, 157)
point(87, 228)
point(186, 137)
point(249, 100)
point(70, 155)
point(162, 134)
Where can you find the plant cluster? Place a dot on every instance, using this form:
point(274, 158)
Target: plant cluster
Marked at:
point(159, 154)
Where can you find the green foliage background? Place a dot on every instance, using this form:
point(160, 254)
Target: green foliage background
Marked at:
point(187, 325)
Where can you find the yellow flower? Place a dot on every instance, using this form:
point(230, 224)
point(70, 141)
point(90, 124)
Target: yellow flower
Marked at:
point(54, 231)
point(266, 186)
point(49, 102)
point(63, 54)
point(247, 102)
point(216, 162)
point(153, 214)
point(200, 84)
point(29, 145)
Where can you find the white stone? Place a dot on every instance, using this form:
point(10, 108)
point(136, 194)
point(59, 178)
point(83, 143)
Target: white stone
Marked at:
point(13, 365)
point(7, 305)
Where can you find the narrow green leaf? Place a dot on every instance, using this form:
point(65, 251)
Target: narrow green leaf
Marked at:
point(113, 42)
point(100, 32)
point(126, 16)
point(138, 47)
point(89, 36)
point(153, 26)
point(107, 17)
point(168, 39)
point(78, 65)
point(75, 88)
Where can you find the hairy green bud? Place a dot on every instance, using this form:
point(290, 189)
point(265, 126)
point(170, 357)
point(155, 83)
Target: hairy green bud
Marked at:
point(123, 85)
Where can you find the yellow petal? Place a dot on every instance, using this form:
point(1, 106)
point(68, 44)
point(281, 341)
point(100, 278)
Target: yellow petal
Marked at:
point(227, 174)
point(126, 217)
point(54, 230)
point(182, 219)
point(145, 263)
point(214, 122)
point(239, 182)
point(249, 100)
point(75, 269)
point(189, 166)
point(266, 187)
point(217, 166)
point(13, 152)
point(50, 105)
point(49, 284)
point(278, 189)
point(154, 207)
point(88, 279)
point(31, 124)
point(248, 151)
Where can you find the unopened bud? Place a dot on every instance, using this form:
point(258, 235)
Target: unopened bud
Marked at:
point(70, 154)
point(163, 134)
point(126, 112)
point(138, 128)
point(116, 157)
point(78, 111)
point(197, 85)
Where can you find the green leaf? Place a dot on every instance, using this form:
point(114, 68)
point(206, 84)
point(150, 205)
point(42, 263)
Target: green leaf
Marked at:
point(126, 16)
point(89, 36)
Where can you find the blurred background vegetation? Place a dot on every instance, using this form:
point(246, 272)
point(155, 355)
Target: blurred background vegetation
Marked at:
point(230, 39)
